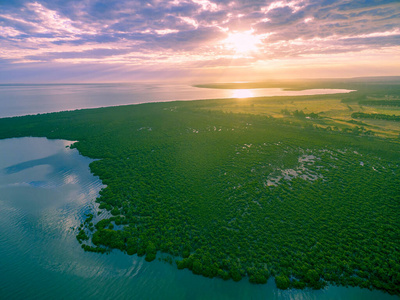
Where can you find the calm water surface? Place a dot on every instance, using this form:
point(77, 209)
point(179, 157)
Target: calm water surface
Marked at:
point(17, 100)
point(45, 190)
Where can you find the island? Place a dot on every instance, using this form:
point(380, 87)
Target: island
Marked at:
point(303, 189)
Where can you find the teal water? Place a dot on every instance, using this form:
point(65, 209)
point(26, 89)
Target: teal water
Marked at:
point(45, 190)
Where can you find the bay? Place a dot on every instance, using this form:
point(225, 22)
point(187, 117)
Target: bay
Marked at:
point(46, 189)
point(23, 99)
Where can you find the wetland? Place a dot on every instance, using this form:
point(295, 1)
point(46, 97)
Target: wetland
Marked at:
point(292, 191)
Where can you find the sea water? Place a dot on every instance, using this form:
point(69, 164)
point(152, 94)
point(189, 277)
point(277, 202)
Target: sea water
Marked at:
point(23, 99)
point(46, 190)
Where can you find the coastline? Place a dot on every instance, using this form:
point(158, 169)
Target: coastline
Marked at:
point(115, 275)
point(185, 132)
point(39, 99)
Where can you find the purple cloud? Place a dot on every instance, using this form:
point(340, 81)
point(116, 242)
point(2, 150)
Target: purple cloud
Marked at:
point(191, 31)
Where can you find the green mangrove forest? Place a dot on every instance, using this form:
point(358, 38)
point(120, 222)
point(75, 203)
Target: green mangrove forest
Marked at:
point(361, 115)
point(243, 188)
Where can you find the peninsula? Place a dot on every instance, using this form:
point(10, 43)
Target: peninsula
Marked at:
point(304, 189)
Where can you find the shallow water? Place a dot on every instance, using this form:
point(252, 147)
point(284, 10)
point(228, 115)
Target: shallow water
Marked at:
point(17, 100)
point(45, 189)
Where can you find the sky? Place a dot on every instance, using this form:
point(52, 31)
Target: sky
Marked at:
point(54, 41)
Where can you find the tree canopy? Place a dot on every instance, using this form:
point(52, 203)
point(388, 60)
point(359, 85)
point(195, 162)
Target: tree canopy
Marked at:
point(234, 195)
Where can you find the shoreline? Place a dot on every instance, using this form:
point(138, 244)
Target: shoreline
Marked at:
point(193, 282)
point(196, 175)
point(54, 104)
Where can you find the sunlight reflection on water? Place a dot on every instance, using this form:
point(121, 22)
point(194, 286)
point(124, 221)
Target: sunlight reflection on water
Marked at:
point(40, 257)
point(18, 100)
point(242, 93)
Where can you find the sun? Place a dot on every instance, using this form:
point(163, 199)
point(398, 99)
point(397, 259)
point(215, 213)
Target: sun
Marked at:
point(242, 42)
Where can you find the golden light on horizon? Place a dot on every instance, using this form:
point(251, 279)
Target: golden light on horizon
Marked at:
point(242, 42)
point(242, 93)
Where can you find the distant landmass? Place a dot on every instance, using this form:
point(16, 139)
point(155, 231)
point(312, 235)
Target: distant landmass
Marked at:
point(302, 84)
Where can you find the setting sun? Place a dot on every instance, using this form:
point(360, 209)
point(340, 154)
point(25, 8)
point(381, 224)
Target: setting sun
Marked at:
point(249, 148)
point(242, 42)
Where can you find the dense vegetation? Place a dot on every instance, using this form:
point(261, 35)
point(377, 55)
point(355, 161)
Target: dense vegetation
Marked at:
point(367, 87)
point(361, 115)
point(231, 195)
point(299, 114)
point(380, 102)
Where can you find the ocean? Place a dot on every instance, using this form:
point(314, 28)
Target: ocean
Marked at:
point(24, 99)
point(46, 190)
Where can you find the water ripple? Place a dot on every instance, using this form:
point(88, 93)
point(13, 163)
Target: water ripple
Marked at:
point(42, 199)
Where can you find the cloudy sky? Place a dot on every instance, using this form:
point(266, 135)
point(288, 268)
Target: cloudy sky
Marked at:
point(198, 40)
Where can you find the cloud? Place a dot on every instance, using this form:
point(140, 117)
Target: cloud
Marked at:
point(191, 32)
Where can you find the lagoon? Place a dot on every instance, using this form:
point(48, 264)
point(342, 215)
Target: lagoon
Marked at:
point(46, 189)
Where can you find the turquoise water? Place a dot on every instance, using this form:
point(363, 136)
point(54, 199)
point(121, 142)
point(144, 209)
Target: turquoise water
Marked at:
point(45, 190)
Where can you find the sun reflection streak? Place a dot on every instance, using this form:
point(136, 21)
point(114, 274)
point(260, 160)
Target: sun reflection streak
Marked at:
point(242, 93)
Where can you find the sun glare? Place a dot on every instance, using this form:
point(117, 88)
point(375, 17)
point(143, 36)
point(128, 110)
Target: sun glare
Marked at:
point(242, 93)
point(242, 42)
